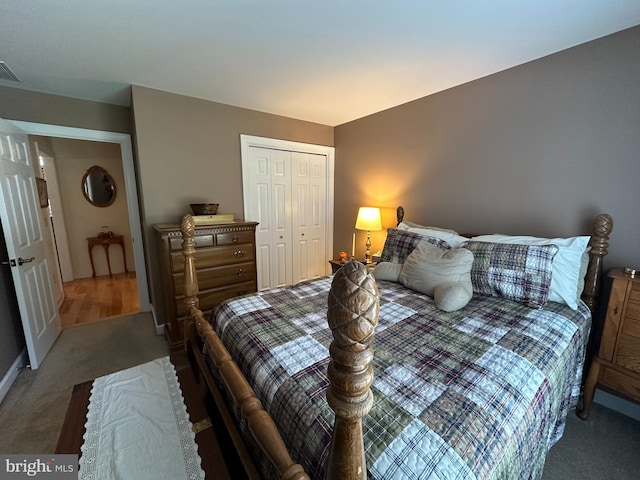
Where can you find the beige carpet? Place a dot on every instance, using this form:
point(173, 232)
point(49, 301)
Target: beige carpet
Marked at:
point(32, 413)
point(604, 447)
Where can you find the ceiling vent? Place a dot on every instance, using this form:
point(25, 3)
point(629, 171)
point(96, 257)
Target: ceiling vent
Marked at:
point(7, 74)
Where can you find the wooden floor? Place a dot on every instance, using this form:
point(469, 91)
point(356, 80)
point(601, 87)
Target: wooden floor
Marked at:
point(90, 300)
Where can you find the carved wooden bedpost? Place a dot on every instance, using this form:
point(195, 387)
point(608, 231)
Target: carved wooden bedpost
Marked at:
point(599, 243)
point(352, 315)
point(188, 227)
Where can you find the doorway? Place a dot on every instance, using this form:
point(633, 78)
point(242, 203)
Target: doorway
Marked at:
point(90, 291)
point(117, 282)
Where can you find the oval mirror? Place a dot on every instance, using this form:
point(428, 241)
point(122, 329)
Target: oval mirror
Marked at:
point(98, 187)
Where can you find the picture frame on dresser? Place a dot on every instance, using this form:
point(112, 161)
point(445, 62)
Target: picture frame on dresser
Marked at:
point(226, 264)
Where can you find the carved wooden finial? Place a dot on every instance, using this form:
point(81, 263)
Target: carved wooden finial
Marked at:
point(399, 214)
point(353, 312)
point(599, 243)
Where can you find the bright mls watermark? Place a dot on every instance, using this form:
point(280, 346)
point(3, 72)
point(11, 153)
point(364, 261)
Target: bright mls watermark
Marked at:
point(50, 467)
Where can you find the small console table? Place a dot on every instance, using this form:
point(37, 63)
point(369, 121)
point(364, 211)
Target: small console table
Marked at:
point(106, 242)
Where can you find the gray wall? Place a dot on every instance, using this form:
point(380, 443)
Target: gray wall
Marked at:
point(537, 149)
point(28, 106)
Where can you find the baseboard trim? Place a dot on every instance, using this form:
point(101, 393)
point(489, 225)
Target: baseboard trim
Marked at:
point(12, 373)
point(618, 404)
point(159, 328)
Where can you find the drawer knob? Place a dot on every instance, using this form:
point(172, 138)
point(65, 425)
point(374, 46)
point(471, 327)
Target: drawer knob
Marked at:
point(615, 310)
point(240, 272)
point(239, 253)
point(235, 239)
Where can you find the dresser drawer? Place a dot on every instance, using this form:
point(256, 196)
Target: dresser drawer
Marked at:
point(175, 243)
point(211, 298)
point(627, 384)
point(209, 278)
point(216, 256)
point(232, 238)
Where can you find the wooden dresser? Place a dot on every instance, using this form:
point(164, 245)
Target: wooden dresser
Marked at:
point(617, 365)
point(225, 262)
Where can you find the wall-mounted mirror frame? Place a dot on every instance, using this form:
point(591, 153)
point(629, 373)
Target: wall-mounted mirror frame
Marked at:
point(98, 187)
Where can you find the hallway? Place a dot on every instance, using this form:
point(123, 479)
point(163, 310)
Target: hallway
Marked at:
point(93, 299)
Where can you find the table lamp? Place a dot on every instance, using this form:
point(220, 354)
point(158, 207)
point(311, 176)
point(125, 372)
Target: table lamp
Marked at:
point(368, 219)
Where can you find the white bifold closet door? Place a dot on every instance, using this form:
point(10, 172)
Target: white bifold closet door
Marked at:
point(286, 192)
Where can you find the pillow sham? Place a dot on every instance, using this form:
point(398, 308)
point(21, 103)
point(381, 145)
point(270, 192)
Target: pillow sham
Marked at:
point(449, 236)
point(569, 265)
point(400, 243)
point(518, 272)
point(429, 266)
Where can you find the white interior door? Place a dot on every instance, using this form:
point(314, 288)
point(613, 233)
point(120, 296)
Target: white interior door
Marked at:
point(26, 244)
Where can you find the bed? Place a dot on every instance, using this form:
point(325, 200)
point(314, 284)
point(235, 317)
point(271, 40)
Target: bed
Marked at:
point(351, 376)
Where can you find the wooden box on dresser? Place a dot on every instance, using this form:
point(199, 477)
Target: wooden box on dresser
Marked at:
point(617, 364)
point(225, 262)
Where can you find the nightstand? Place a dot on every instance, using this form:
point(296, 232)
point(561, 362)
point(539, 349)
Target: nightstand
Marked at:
point(617, 365)
point(337, 264)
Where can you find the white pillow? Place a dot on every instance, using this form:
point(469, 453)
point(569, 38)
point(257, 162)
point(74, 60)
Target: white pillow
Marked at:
point(567, 269)
point(449, 236)
point(404, 225)
point(429, 266)
point(387, 271)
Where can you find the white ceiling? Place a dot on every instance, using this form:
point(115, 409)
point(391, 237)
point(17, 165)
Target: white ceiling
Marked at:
point(326, 61)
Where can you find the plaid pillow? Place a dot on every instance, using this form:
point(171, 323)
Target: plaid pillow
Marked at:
point(515, 271)
point(400, 243)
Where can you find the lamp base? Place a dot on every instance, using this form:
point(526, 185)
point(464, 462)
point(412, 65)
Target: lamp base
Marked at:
point(367, 252)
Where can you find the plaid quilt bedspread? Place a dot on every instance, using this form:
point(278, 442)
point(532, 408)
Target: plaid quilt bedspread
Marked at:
point(481, 393)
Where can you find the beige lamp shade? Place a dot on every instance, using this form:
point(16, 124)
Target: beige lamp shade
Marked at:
point(369, 219)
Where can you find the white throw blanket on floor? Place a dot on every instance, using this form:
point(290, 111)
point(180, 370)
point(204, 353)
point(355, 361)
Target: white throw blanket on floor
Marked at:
point(138, 427)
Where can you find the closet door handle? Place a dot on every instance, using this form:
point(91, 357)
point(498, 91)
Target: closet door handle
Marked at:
point(25, 260)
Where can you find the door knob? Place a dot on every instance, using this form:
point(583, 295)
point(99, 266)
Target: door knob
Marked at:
point(25, 260)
